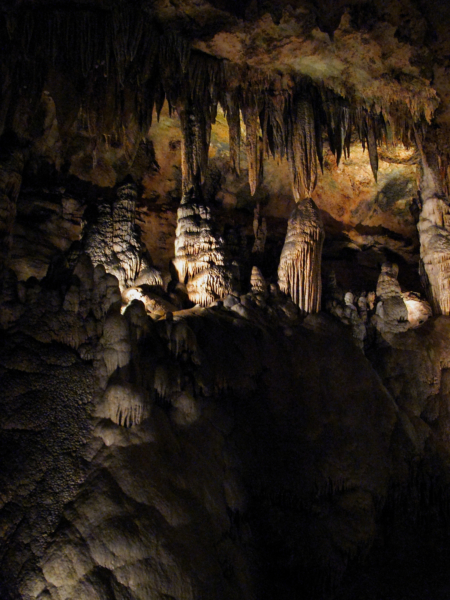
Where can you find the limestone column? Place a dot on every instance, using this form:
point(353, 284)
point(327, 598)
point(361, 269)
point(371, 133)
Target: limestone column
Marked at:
point(299, 272)
point(199, 251)
point(434, 230)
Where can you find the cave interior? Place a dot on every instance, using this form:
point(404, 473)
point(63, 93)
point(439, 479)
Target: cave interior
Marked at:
point(224, 300)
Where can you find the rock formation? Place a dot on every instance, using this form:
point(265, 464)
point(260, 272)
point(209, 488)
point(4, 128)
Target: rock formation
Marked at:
point(434, 230)
point(299, 273)
point(391, 311)
point(113, 241)
point(199, 254)
point(260, 231)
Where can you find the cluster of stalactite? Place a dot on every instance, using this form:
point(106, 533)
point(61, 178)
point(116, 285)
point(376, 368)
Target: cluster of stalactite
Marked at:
point(111, 67)
point(299, 272)
point(200, 254)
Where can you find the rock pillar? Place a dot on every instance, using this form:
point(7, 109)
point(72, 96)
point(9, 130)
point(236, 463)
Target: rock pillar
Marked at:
point(434, 231)
point(199, 254)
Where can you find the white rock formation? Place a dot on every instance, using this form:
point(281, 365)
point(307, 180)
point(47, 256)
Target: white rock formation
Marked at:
point(199, 255)
point(299, 272)
point(434, 232)
point(257, 282)
point(125, 404)
point(114, 242)
point(418, 309)
point(155, 305)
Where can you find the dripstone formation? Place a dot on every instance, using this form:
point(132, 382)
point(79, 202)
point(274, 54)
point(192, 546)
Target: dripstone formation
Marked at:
point(224, 300)
point(299, 273)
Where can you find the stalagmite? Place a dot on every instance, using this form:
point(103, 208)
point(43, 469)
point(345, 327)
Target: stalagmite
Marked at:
point(252, 146)
point(112, 239)
point(125, 244)
point(434, 232)
point(209, 285)
point(199, 255)
point(257, 282)
point(391, 313)
point(299, 272)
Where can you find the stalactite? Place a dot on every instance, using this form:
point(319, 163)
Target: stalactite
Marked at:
point(252, 147)
point(125, 404)
point(234, 128)
point(338, 123)
point(275, 103)
point(194, 146)
point(299, 272)
point(120, 59)
point(372, 130)
point(302, 147)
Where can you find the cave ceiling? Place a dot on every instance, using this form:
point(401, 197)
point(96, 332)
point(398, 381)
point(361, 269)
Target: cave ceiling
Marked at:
point(339, 90)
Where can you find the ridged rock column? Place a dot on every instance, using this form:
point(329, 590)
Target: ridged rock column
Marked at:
point(434, 230)
point(199, 255)
point(199, 252)
point(113, 240)
point(299, 272)
point(434, 233)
